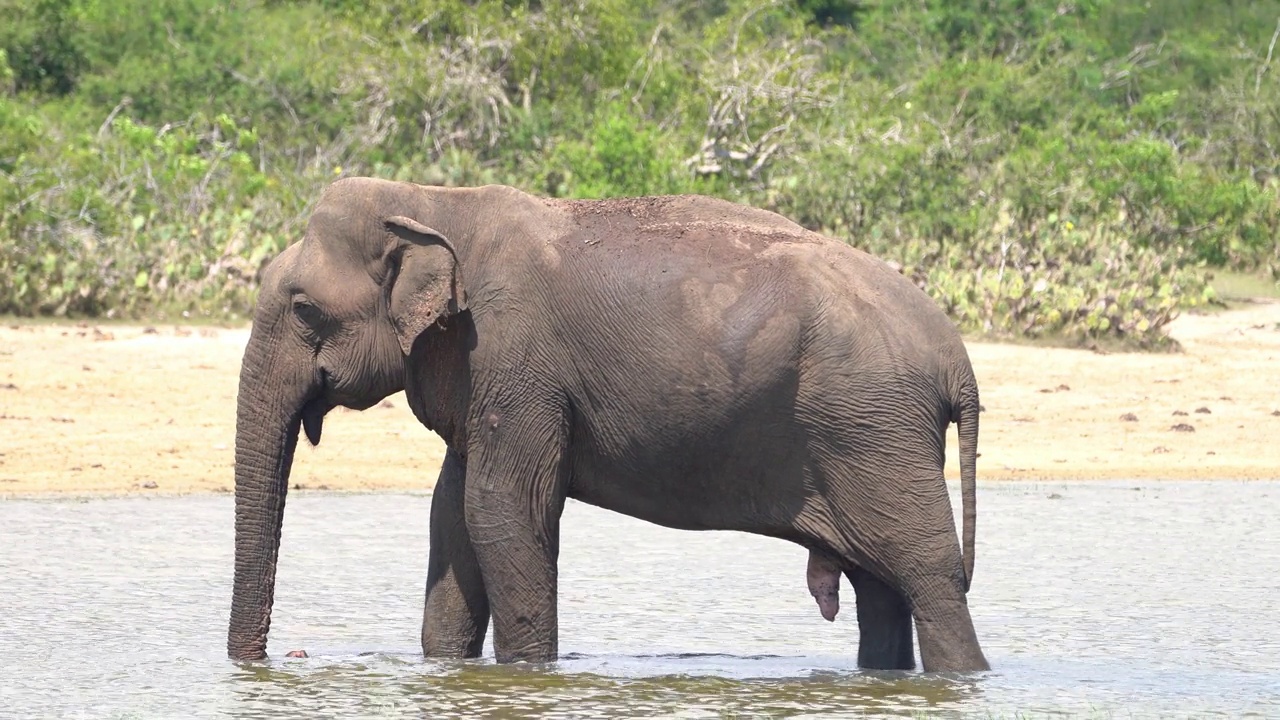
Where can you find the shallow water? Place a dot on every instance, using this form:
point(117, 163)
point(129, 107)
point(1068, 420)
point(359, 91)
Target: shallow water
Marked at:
point(1096, 600)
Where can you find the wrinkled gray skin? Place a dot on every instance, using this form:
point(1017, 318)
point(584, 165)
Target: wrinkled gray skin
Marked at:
point(683, 360)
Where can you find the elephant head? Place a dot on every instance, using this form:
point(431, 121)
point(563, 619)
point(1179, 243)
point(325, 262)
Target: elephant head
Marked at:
point(337, 315)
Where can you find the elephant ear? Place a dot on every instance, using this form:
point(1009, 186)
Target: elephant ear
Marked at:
point(428, 285)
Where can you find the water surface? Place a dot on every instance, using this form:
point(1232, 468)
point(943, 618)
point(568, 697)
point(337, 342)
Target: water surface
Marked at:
point(1093, 600)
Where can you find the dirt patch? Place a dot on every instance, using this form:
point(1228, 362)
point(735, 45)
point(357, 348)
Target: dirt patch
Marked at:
point(131, 409)
point(112, 409)
point(1210, 412)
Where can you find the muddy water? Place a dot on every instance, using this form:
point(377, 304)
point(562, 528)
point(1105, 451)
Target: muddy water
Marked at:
point(1106, 600)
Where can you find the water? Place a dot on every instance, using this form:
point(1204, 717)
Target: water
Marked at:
point(1092, 600)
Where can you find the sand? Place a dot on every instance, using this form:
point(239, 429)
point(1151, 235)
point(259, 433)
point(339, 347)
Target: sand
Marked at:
point(109, 408)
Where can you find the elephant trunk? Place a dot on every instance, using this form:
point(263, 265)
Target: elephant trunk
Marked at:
point(270, 407)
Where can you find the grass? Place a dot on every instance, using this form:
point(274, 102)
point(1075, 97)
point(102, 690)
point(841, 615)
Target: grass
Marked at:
point(1236, 286)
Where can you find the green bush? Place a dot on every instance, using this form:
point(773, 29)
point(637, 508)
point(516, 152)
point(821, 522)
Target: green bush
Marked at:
point(1041, 169)
point(620, 156)
point(137, 218)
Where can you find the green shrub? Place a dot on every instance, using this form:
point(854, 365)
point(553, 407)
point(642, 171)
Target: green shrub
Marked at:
point(1040, 169)
point(138, 218)
point(621, 156)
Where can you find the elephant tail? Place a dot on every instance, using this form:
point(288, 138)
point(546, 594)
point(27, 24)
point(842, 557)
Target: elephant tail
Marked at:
point(966, 417)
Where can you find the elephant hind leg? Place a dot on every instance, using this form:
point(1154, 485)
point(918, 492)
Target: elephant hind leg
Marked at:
point(906, 543)
point(948, 642)
point(884, 623)
point(916, 586)
point(921, 562)
point(884, 618)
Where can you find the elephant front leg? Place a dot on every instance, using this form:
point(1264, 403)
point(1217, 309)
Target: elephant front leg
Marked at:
point(456, 615)
point(515, 495)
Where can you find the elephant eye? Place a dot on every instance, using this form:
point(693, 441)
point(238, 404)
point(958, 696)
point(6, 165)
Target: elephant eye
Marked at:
point(307, 311)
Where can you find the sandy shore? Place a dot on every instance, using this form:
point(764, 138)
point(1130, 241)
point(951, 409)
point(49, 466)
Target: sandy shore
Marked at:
point(122, 409)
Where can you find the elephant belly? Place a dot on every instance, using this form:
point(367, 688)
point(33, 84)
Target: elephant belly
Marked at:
point(744, 471)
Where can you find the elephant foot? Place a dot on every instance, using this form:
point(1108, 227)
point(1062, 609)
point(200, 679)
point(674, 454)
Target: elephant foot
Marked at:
point(823, 575)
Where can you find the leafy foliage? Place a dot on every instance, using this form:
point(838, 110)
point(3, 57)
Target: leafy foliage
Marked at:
point(1040, 168)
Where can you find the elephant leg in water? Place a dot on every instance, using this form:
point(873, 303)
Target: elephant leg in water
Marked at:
point(456, 614)
point(884, 618)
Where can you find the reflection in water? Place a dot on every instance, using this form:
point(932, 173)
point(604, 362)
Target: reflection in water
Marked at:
point(1098, 599)
point(482, 689)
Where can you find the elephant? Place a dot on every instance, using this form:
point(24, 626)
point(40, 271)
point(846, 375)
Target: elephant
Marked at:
point(684, 360)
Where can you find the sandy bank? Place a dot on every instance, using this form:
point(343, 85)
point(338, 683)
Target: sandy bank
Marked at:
point(114, 408)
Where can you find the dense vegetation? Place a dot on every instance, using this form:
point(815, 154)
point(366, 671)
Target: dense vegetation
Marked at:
point(1040, 167)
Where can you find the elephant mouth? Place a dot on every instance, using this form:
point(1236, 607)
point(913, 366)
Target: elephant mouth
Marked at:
point(312, 415)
